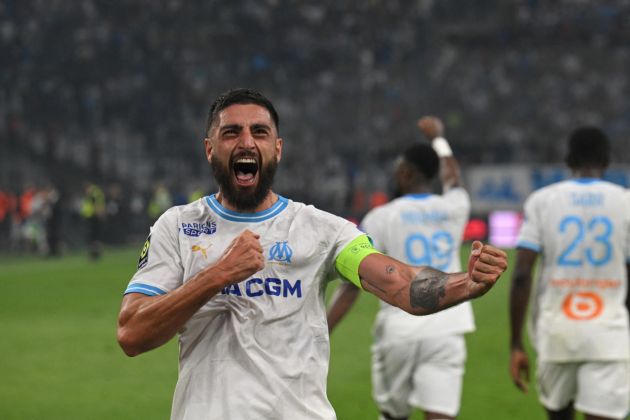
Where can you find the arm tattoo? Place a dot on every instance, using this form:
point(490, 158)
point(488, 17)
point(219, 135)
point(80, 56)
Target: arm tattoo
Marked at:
point(389, 270)
point(426, 289)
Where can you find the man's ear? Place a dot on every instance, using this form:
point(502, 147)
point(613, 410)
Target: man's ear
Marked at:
point(208, 146)
point(279, 143)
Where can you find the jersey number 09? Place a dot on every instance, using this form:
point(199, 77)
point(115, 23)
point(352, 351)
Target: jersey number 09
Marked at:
point(435, 251)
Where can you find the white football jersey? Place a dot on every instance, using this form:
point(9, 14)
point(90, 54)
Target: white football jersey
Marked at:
point(581, 228)
point(421, 229)
point(260, 348)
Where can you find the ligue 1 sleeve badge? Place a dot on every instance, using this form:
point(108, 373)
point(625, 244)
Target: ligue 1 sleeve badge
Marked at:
point(144, 254)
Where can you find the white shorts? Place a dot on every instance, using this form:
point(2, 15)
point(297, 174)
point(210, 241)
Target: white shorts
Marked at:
point(597, 388)
point(426, 374)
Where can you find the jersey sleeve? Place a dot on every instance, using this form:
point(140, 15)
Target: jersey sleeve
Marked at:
point(348, 232)
point(459, 203)
point(160, 268)
point(372, 224)
point(530, 235)
point(351, 246)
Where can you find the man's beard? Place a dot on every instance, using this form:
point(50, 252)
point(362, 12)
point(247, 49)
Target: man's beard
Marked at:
point(244, 200)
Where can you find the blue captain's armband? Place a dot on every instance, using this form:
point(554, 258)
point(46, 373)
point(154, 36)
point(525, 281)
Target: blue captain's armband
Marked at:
point(350, 257)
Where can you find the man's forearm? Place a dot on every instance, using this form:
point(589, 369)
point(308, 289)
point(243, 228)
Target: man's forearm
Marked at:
point(519, 296)
point(149, 322)
point(341, 302)
point(417, 290)
point(432, 290)
point(520, 290)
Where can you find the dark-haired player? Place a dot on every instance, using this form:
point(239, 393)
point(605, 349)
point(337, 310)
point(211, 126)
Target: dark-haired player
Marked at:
point(418, 361)
point(579, 315)
point(240, 276)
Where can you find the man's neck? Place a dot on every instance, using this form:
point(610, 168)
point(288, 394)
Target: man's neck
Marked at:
point(588, 173)
point(267, 202)
point(417, 189)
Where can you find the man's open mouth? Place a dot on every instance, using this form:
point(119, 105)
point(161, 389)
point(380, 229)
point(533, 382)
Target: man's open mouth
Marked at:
point(245, 170)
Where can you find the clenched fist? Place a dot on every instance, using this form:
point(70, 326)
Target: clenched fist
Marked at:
point(242, 258)
point(485, 265)
point(431, 127)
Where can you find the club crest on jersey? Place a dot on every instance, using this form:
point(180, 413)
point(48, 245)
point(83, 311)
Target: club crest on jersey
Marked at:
point(281, 252)
point(195, 229)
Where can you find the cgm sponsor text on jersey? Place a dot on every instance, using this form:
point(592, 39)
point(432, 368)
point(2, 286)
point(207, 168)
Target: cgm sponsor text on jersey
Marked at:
point(270, 286)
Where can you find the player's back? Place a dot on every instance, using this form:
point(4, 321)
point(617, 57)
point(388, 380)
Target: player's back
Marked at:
point(582, 230)
point(583, 226)
point(422, 229)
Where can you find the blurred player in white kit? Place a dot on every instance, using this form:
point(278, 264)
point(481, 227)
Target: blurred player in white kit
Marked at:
point(418, 361)
point(579, 316)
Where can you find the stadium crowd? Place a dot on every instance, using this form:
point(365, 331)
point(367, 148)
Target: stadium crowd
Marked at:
point(115, 92)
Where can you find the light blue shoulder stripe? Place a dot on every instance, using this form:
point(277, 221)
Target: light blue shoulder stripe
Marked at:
point(145, 289)
point(234, 216)
point(418, 196)
point(529, 245)
point(587, 180)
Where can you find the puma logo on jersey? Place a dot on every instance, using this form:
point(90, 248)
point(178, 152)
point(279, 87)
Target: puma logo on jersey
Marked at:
point(199, 248)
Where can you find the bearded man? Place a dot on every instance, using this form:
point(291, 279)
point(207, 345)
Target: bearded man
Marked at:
point(241, 275)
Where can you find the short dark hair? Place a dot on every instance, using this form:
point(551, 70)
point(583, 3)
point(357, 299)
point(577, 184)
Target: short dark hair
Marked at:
point(423, 158)
point(241, 96)
point(589, 147)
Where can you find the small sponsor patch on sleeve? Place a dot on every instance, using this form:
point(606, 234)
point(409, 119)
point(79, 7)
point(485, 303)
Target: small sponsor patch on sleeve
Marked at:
point(144, 254)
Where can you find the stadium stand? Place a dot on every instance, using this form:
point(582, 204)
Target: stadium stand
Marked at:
point(116, 92)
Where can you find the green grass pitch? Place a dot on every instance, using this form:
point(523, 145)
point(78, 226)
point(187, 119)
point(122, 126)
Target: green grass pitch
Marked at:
point(59, 358)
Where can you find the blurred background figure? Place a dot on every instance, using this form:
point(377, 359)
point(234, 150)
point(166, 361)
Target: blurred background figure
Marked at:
point(93, 211)
point(117, 215)
point(418, 362)
point(579, 315)
point(54, 221)
point(6, 208)
point(159, 202)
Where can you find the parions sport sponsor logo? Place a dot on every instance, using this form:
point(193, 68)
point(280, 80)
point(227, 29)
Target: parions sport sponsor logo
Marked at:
point(269, 286)
point(195, 229)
